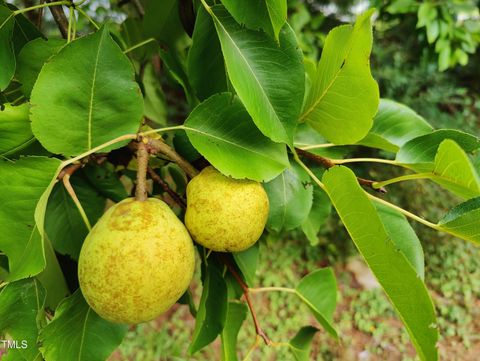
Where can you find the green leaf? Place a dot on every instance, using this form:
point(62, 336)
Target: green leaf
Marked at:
point(318, 290)
point(212, 311)
point(320, 211)
point(223, 132)
point(394, 125)
point(162, 21)
point(302, 342)
point(133, 33)
point(155, 107)
point(77, 333)
point(236, 314)
point(290, 199)
point(64, 225)
point(23, 184)
point(15, 129)
point(206, 68)
point(93, 81)
point(403, 236)
point(269, 15)
point(422, 149)
point(463, 221)
point(23, 31)
point(278, 11)
point(268, 77)
point(31, 59)
point(344, 96)
point(454, 171)
point(105, 180)
point(177, 70)
point(21, 307)
point(7, 54)
point(398, 278)
point(247, 262)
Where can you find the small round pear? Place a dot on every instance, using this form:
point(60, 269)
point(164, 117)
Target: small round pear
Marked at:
point(136, 262)
point(225, 214)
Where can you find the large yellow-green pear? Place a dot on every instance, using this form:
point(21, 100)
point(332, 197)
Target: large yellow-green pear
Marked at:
point(225, 214)
point(136, 262)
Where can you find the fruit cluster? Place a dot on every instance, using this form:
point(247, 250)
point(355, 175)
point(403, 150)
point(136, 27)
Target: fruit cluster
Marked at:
point(139, 258)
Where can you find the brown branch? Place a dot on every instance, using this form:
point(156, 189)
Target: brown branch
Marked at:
point(175, 196)
point(60, 18)
point(246, 293)
point(69, 170)
point(328, 163)
point(142, 165)
point(324, 162)
point(369, 183)
point(155, 146)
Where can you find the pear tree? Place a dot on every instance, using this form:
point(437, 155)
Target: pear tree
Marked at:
point(173, 140)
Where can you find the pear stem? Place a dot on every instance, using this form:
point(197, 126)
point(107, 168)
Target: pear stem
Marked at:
point(142, 162)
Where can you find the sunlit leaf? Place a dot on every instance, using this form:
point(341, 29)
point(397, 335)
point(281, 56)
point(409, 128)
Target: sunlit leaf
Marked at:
point(269, 15)
point(23, 183)
point(318, 290)
point(92, 80)
point(463, 221)
point(454, 171)
point(403, 236)
point(223, 132)
point(15, 129)
point(344, 96)
point(401, 283)
point(268, 77)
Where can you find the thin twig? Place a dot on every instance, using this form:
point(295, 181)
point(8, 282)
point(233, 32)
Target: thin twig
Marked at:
point(73, 195)
point(246, 292)
point(159, 146)
point(329, 163)
point(371, 184)
point(142, 165)
point(60, 18)
point(175, 196)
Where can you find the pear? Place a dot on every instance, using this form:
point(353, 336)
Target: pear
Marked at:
point(225, 214)
point(136, 262)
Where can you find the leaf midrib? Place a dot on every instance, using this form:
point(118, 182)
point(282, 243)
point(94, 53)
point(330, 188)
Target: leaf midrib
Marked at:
point(270, 106)
point(92, 94)
point(231, 143)
point(83, 334)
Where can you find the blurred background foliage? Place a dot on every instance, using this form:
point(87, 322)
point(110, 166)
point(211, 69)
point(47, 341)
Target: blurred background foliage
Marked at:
point(426, 56)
